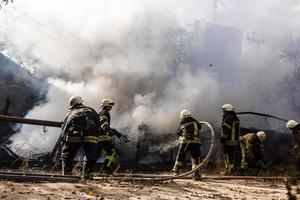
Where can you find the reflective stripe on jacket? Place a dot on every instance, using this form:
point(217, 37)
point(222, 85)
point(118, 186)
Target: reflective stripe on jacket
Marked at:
point(189, 132)
point(103, 138)
point(230, 130)
point(104, 126)
point(85, 139)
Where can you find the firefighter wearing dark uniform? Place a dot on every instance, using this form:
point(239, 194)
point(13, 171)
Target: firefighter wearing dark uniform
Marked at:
point(104, 139)
point(81, 127)
point(295, 128)
point(188, 132)
point(252, 147)
point(230, 137)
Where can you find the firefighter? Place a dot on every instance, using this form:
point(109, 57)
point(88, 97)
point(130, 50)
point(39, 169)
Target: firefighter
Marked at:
point(295, 128)
point(188, 132)
point(252, 146)
point(80, 127)
point(104, 139)
point(230, 137)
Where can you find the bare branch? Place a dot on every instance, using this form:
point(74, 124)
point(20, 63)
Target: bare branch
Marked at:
point(5, 2)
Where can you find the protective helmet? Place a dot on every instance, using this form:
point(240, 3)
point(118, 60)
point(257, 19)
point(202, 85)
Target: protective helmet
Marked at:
point(184, 114)
point(228, 107)
point(291, 124)
point(75, 99)
point(107, 102)
point(261, 135)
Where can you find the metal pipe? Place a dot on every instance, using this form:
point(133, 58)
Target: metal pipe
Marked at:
point(37, 177)
point(261, 114)
point(202, 177)
point(22, 120)
point(248, 177)
point(148, 177)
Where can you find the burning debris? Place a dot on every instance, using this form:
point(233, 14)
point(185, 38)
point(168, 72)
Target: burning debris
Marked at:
point(20, 92)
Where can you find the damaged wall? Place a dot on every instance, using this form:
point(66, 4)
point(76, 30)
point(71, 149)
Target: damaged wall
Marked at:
point(20, 92)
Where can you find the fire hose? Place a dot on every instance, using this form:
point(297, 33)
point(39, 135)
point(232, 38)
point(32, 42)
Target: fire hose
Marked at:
point(164, 178)
point(32, 177)
point(261, 114)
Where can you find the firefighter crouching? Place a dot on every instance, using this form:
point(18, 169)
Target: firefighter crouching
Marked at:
point(295, 128)
point(252, 146)
point(80, 128)
point(230, 137)
point(188, 132)
point(105, 140)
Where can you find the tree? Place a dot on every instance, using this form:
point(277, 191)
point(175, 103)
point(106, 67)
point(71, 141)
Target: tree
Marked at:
point(290, 87)
point(5, 2)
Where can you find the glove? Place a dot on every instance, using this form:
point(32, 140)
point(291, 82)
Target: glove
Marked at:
point(260, 164)
point(113, 131)
point(125, 138)
point(118, 134)
point(223, 138)
point(291, 152)
point(296, 148)
point(250, 155)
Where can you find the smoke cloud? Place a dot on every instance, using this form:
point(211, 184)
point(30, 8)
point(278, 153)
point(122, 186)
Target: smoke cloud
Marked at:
point(152, 58)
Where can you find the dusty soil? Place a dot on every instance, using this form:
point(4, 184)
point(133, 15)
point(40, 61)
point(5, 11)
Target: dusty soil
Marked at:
point(111, 189)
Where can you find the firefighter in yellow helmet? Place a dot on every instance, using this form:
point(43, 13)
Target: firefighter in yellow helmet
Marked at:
point(230, 137)
point(80, 127)
point(188, 132)
point(252, 146)
point(104, 139)
point(295, 128)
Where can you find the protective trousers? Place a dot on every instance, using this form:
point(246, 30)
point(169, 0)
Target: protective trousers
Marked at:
point(251, 158)
point(195, 152)
point(230, 154)
point(244, 162)
point(69, 152)
point(110, 158)
point(296, 156)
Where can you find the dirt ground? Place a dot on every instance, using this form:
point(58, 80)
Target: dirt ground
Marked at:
point(177, 189)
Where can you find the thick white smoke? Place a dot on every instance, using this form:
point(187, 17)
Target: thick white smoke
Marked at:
point(130, 51)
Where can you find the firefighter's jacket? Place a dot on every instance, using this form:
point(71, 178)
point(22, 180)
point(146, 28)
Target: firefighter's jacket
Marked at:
point(252, 147)
point(230, 129)
point(296, 134)
point(105, 130)
point(81, 125)
point(188, 131)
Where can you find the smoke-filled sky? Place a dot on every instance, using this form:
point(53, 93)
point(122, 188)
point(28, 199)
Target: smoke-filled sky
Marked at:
point(132, 52)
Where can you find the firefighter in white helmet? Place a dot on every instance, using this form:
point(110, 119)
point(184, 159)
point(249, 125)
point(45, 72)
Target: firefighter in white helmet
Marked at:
point(104, 139)
point(230, 137)
point(80, 128)
point(295, 128)
point(252, 146)
point(188, 132)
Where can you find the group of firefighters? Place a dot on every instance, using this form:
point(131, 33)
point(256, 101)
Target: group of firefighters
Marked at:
point(83, 126)
point(250, 145)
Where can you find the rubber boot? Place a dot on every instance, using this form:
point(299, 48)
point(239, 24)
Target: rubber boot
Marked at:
point(196, 176)
point(176, 169)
